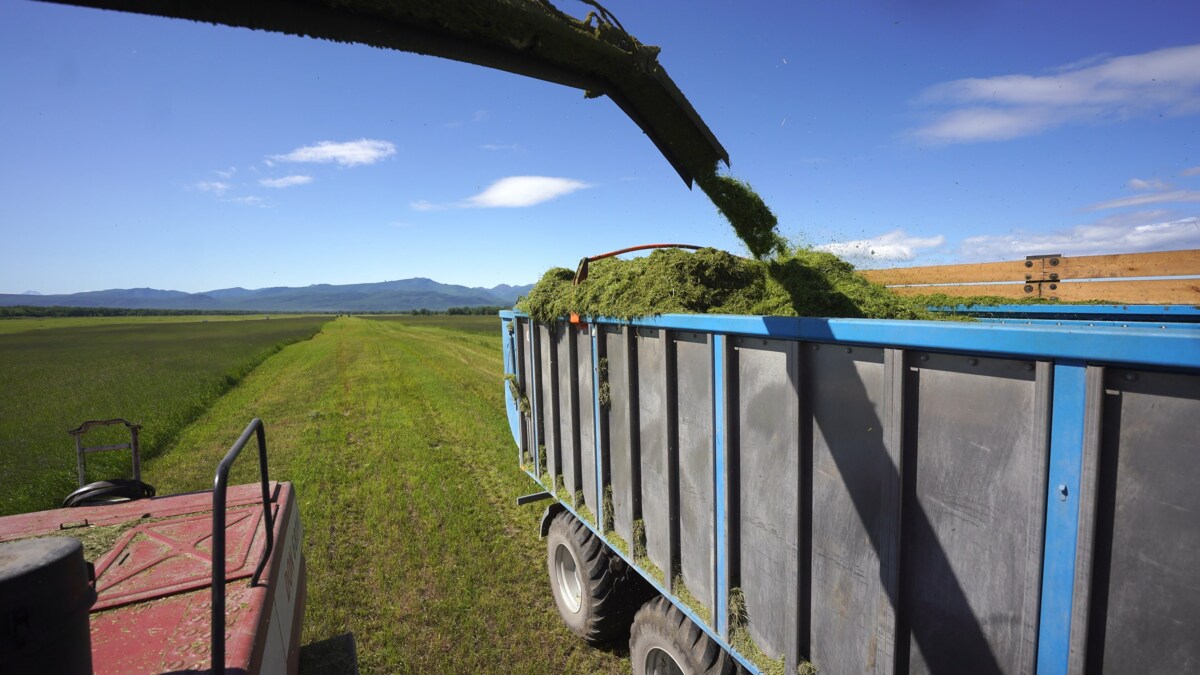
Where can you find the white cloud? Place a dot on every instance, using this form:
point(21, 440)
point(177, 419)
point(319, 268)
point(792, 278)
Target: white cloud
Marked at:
point(480, 116)
point(1172, 197)
point(512, 192)
point(247, 201)
point(500, 146)
point(1193, 171)
point(517, 191)
point(227, 173)
point(1151, 184)
point(1166, 82)
point(216, 187)
point(1124, 233)
point(350, 153)
point(286, 181)
point(893, 246)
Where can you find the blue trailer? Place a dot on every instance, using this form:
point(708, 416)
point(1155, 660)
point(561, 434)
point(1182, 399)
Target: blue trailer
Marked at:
point(1012, 495)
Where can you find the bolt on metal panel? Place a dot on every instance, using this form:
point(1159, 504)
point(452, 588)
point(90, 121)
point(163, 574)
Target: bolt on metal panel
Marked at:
point(855, 494)
point(1144, 609)
point(621, 450)
point(697, 555)
point(974, 466)
point(653, 419)
point(586, 420)
point(765, 463)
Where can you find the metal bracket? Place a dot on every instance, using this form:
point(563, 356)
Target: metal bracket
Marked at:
point(535, 497)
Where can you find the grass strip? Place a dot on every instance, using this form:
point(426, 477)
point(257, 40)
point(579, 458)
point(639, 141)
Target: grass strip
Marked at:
point(396, 439)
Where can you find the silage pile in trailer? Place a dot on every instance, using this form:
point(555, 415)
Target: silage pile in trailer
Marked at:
point(798, 282)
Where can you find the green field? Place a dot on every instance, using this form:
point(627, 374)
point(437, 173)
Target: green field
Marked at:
point(395, 435)
point(161, 374)
point(22, 324)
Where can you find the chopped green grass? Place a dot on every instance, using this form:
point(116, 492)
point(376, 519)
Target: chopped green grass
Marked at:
point(680, 590)
point(739, 637)
point(160, 374)
point(801, 283)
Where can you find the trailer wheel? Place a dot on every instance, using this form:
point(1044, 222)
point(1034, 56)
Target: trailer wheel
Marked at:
point(665, 642)
point(592, 594)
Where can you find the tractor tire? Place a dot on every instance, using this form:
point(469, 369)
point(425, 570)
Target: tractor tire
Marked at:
point(663, 641)
point(595, 592)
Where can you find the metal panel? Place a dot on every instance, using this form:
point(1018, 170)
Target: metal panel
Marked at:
point(693, 358)
point(652, 424)
point(548, 374)
point(1145, 607)
point(855, 496)
point(586, 415)
point(765, 449)
point(974, 472)
point(568, 414)
point(523, 378)
point(621, 448)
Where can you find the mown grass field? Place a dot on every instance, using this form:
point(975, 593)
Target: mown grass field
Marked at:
point(395, 435)
point(22, 324)
point(161, 374)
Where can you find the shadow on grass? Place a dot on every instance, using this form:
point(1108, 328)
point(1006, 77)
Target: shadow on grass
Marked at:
point(337, 655)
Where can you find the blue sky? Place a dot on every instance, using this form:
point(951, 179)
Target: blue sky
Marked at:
point(140, 151)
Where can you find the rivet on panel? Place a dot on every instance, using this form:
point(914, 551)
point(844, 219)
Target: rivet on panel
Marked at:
point(924, 357)
point(816, 347)
point(849, 350)
point(1130, 377)
point(1028, 288)
point(1028, 366)
point(1054, 262)
point(1029, 263)
point(973, 362)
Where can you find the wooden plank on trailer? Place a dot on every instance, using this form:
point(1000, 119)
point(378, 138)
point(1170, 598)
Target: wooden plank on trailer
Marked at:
point(1000, 290)
point(957, 274)
point(1147, 292)
point(1159, 264)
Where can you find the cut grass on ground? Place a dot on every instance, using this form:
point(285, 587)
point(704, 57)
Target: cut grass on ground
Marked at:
point(161, 375)
point(396, 438)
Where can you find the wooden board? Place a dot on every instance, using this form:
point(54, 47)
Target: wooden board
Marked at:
point(1148, 292)
point(1142, 292)
point(955, 274)
point(1161, 264)
point(1053, 268)
point(1001, 290)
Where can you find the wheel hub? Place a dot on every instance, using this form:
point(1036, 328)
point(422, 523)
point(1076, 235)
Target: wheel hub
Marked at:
point(570, 587)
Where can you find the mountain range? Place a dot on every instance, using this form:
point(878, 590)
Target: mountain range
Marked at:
point(385, 296)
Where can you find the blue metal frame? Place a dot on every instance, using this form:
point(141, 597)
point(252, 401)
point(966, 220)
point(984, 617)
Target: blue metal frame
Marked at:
point(721, 495)
point(1062, 516)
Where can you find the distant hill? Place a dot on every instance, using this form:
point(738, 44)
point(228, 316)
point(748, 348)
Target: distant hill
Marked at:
point(385, 296)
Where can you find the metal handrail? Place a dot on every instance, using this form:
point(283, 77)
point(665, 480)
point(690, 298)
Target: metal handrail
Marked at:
point(220, 484)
